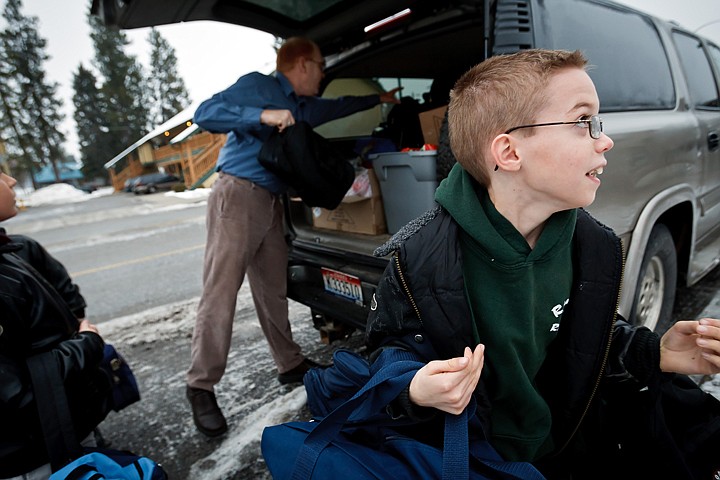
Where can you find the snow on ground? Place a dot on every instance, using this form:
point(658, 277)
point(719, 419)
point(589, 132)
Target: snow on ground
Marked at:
point(62, 193)
point(156, 344)
point(58, 193)
point(712, 386)
point(195, 194)
point(70, 214)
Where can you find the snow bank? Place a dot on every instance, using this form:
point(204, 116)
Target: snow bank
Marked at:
point(58, 193)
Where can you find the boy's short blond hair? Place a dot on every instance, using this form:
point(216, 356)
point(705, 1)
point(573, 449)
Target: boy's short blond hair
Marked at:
point(292, 49)
point(498, 94)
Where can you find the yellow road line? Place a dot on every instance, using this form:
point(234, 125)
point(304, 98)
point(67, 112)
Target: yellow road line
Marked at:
point(135, 260)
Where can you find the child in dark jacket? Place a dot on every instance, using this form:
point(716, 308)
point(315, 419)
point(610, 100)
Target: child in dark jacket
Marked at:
point(509, 289)
point(41, 311)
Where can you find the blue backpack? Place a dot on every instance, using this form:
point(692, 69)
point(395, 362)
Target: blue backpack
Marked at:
point(110, 465)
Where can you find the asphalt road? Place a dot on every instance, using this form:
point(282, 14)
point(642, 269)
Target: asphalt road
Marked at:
point(138, 261)
point(127, 252)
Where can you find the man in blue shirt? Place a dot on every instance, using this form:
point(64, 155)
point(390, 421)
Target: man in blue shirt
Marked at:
point(245, 217)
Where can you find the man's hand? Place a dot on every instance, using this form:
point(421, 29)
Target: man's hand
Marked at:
point(277, 118)
point(389, 96)
point(691, 347)
point(448, 384)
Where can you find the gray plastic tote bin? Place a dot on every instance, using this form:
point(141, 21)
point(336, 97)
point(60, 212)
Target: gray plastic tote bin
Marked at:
point(407, 183)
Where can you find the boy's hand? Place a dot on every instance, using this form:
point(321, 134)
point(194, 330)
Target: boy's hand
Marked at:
point(691, 347)
point(448, 384)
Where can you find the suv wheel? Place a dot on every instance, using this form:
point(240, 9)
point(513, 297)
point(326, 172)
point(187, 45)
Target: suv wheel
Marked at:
point(655, 291)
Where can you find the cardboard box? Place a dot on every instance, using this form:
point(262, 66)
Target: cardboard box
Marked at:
point(430, 122)
point(355, 215)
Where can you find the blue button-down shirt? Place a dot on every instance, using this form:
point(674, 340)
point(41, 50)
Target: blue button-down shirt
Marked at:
point(236, 111)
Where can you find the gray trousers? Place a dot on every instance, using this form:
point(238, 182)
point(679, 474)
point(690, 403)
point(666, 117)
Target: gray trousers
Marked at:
point(245, 234)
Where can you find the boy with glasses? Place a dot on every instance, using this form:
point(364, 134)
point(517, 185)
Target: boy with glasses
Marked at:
point(509, 289)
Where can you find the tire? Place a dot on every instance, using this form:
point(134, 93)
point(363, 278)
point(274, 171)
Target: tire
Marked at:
point(655, 290)
point(152, 189)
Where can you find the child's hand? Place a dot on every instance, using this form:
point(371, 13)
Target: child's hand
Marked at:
point(691, 348)
point(448, 384)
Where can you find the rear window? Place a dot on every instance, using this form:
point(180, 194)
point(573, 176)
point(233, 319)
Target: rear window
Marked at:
point(629, 64)
point(295, 10)
point(416, 88)
point(415, 91)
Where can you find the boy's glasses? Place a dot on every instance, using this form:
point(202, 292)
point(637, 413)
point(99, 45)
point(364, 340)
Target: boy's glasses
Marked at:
point(594, 125)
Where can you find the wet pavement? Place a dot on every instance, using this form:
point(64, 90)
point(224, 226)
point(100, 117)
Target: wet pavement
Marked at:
point(157, 346)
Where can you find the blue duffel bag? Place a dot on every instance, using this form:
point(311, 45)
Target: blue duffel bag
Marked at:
point(355, 440)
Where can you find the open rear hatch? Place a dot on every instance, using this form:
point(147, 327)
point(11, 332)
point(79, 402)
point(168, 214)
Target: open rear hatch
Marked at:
point(334, 24)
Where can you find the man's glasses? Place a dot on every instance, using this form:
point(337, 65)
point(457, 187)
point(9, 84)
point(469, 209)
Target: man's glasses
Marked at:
point(594, 125)
point(321, 63)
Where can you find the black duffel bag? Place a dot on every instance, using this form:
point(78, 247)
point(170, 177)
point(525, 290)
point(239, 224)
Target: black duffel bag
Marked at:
point(308, 164)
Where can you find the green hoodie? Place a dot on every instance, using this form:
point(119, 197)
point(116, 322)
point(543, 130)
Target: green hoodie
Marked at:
point(516, 295)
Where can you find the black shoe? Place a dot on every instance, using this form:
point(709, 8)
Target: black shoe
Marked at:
point(206, 413)
point(296, 374)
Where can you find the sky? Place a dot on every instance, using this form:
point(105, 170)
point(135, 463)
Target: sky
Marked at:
point(211, 56)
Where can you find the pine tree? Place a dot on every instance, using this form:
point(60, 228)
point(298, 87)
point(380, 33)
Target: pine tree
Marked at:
point(93, 137)
point(123, 96)
point(30, 106)
point(168, 95)
point(11, 128)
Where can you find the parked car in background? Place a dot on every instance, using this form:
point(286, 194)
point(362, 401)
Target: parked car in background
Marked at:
point(660, 103)
point(155, 182)
point(130, 184)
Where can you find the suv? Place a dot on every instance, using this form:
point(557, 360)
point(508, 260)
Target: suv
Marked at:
point(660, 102)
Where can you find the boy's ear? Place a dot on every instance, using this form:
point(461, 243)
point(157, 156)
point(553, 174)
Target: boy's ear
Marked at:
point(504, 153)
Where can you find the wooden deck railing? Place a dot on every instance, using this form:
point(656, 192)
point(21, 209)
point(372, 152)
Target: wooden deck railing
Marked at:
point(200, 164)
point(195, 156)
point(118, 179)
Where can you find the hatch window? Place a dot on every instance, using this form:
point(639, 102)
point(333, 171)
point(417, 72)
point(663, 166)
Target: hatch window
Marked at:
point(294, 9)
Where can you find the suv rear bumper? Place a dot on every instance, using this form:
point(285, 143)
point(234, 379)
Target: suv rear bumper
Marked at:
point(305, 282)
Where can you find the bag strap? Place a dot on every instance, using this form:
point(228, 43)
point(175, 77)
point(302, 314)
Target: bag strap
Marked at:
point(49, 390)
point(53, 296)
point(455, 447)
point(53, 410)
point(393, 377)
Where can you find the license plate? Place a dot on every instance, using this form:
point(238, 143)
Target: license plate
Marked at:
point(343, 285)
